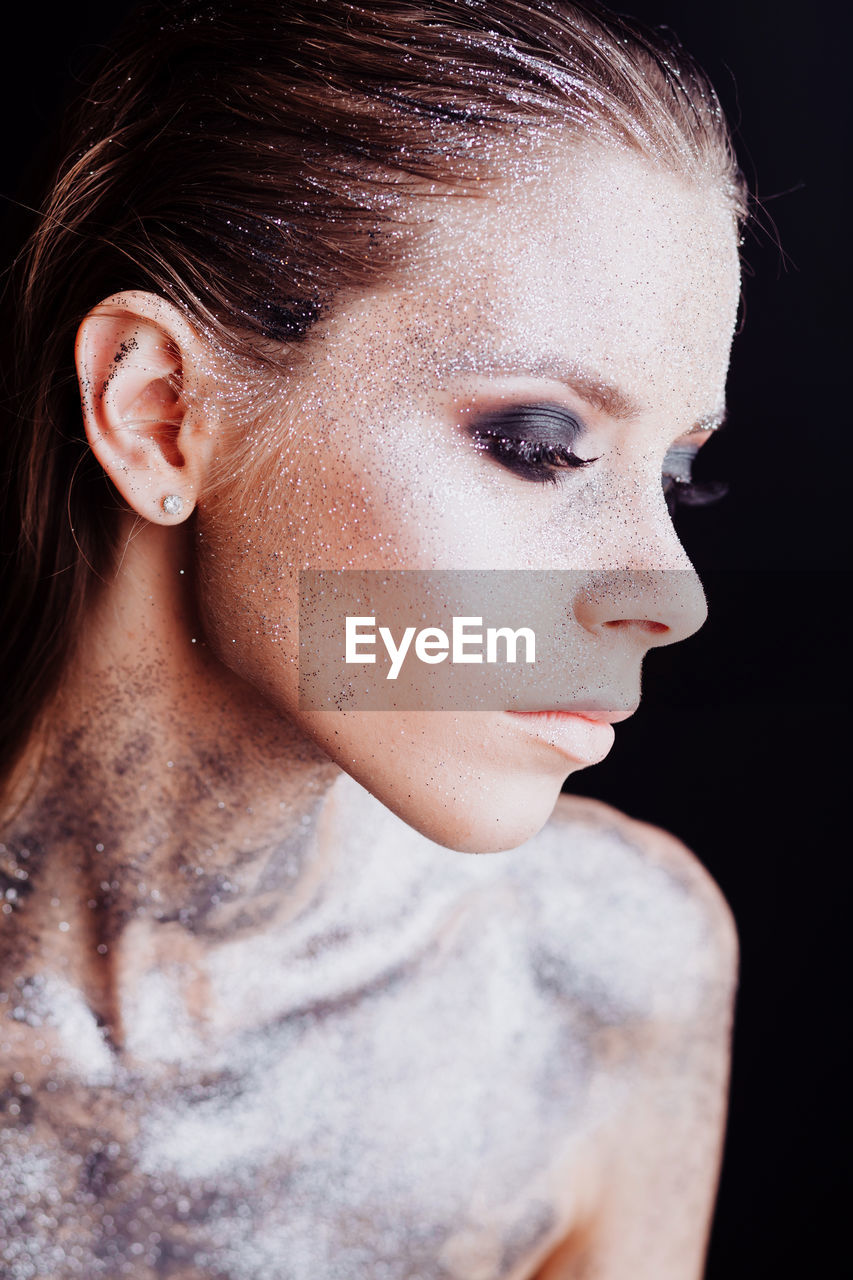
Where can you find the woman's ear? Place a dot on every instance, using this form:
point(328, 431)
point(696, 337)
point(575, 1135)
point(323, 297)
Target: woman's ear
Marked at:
point(137, 357)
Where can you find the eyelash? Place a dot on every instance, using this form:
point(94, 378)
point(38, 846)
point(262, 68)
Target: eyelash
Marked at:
point(542, 461)
point(682, 491)
point(537, 460)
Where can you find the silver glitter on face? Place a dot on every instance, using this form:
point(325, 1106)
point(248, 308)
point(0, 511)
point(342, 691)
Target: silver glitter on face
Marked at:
point(588, 280)
point(258, 1027)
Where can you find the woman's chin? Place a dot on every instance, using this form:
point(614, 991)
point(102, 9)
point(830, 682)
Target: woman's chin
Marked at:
point(474, 786)
point(477, 820)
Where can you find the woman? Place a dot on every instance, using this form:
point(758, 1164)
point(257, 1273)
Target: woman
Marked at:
point(443, 287)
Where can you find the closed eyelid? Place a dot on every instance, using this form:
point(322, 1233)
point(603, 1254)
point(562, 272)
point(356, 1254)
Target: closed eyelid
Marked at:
point(526, 417)
point(679, 458)
point(586, 389)
point(493, 392)
point(535, 441)
point(696, 437)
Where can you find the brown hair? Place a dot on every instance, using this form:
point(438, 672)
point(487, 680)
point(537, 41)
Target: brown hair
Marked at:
point(244, 162)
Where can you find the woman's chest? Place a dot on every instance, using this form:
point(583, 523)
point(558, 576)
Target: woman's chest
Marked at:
point(415, 1090)
point(429, 1124)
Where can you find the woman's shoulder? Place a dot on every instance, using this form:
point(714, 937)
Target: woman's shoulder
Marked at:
point(655, 849)
point(621, 913)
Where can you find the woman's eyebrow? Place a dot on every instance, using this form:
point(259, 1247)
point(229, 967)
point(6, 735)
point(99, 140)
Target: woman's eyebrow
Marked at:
point(590, 386)
point(710, 422)
point(587, 384)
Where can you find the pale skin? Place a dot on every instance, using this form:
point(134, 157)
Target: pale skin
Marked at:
point(192, 835)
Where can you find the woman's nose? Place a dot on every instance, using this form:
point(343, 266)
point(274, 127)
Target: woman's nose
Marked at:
point(657, 606)
point(643, 584)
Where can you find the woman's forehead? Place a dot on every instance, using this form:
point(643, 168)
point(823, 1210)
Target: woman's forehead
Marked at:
point(579, 256)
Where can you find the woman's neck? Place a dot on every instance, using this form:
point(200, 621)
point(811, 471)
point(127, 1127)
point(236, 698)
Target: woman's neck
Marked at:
point(167, 792)
point(192, 798)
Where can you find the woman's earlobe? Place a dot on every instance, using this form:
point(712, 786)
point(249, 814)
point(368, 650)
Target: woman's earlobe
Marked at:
point(132, 352)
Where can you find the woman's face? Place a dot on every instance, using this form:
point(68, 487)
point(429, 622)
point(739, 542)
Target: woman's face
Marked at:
point(584, 307)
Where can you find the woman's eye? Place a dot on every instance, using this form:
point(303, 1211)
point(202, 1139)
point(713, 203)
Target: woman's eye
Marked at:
point(679, 487)
point(536, 442)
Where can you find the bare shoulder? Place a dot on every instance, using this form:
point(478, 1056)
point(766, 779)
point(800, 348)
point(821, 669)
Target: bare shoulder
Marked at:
point(625, 917)
point(655, 848)
point(632, 925)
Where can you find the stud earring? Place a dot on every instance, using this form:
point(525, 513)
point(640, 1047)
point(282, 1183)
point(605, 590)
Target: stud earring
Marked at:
point(173, 504)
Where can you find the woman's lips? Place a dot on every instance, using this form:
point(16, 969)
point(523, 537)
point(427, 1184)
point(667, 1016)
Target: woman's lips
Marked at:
point(584, 735)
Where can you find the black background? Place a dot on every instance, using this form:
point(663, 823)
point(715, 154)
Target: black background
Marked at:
point(741, 745)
